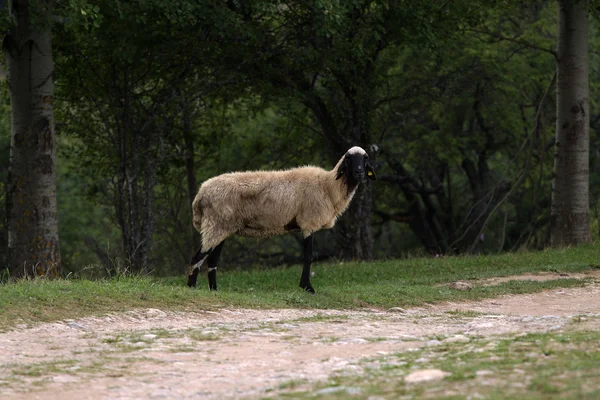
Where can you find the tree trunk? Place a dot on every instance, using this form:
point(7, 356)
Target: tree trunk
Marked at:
point(189, 152)
point(354, 235)
point(355, 238)
point(138, 163)
point(32, 213)
point(570, 222)
point(190, 168)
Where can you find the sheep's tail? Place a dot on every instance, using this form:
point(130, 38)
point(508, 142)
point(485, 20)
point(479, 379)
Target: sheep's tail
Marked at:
point(197, 214)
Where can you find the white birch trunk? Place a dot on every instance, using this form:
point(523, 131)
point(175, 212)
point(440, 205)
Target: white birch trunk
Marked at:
point(570, 183)
point(32, 213)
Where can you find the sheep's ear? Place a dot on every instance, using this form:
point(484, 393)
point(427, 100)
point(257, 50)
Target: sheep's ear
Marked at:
point(370, 171)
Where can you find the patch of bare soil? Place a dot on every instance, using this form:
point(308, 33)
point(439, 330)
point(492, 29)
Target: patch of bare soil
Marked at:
point(252, 353)
point(540, 277)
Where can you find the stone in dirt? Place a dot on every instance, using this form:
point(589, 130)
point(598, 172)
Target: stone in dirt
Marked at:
point(458, 285)
point(425, 375)
point(457, 339)
point(335, 389)
point(75, 325)
point(149, 336)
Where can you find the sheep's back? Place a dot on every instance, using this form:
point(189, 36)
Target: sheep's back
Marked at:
point(259, 203)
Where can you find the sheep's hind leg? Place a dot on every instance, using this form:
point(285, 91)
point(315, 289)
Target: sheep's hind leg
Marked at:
point(308, 253)
point(213, 262)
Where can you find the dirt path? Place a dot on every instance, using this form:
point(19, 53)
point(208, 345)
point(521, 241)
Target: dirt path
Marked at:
point(252, 353)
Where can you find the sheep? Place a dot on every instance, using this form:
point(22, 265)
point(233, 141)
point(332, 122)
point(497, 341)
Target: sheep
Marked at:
point(267, 203)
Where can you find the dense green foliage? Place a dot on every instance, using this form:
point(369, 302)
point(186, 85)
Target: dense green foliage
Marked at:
point(154, 97)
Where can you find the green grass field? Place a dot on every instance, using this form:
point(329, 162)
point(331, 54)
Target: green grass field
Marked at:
point(379, 284)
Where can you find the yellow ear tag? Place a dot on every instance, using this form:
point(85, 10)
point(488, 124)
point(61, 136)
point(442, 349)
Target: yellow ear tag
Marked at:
point(369, 173)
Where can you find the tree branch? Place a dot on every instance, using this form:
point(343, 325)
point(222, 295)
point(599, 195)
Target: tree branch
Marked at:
point(513, 40)
point(526, 167)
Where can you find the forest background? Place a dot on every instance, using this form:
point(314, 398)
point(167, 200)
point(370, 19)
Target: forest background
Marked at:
point(454, 100)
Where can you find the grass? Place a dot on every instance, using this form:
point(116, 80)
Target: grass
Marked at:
point(41, 373)
point(44, 368)
point(381, 284)
point(532, 366)
point(127, 342)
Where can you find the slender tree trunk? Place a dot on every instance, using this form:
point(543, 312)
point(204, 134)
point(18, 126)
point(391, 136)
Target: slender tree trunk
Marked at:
point(355, 235)
point(570, 223)
point(150, 166)
point(121, 198)
point(32, 213)
point(188, 138)
point(355, 238)
point(3, 225)
point(190, 168)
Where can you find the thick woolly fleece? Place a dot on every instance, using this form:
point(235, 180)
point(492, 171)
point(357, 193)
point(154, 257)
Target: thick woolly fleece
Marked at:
point(267, 203)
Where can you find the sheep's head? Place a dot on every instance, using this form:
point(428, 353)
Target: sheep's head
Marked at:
point(355, 166)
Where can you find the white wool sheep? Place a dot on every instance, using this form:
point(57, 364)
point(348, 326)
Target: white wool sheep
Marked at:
point(266, 203)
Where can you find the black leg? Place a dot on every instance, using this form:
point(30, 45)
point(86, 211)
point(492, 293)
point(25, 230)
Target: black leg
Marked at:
point(213, 262)
point(308, 252)
point(192, 277)
point(195, 263)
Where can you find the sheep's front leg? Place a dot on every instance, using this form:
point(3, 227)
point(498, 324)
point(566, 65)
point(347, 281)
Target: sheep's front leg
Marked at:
point(308, 253)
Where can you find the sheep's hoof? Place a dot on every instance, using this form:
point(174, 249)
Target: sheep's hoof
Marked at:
point(308, 288)
point(192, 277)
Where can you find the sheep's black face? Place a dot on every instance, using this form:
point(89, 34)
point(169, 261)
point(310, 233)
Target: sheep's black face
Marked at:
point(356, 167)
